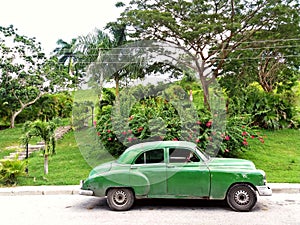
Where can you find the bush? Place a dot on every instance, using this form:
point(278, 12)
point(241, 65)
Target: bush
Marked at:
point(10, 170)
point(266, 110)
point(48, 107)
point(169, 116)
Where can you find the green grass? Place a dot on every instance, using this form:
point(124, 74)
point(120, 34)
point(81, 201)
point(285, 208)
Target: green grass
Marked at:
point(8, 138)
point(279, 156)
point(66, 167)
point(11, 138)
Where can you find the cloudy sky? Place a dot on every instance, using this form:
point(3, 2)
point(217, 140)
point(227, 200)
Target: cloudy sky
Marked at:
point(50, 20)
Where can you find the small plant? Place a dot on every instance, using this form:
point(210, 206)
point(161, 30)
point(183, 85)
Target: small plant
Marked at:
point(10, 170)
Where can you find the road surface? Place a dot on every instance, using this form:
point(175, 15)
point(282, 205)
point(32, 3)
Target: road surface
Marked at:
point(281, 209)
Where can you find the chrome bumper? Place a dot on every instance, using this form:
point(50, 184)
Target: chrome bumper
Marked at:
point(264, 190)
point(85, 192)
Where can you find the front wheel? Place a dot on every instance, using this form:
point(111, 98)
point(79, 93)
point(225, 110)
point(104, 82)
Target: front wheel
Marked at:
point(120, 199)
point(241, 197)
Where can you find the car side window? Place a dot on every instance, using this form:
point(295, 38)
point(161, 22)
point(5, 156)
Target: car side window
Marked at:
point(179, 155)
point(152, 156)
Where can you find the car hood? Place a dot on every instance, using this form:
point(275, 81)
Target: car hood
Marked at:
point(102, 168)
point(218, 163)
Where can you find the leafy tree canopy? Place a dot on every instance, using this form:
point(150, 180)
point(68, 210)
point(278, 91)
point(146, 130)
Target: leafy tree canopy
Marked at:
point(25, 72)
point(210, 31)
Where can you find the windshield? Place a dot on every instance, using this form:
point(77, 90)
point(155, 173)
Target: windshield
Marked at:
point(202, 154)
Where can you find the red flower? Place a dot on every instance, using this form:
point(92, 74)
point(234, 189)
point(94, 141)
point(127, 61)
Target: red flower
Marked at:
point(261, 140)
point(95, 123)
point(208, 124)
point(130, 139)
point(175, 139)
point(226, 150)
point(109, 139)
point(129, 131)
point(124, 132)
point(131, 117)
point(197, 140)
point(252, 136)
point(245, 143)
point(98, 133)
point(108, 131)
point(227, 138)
point(244, 133)
point(198, 122)
point(140, 129)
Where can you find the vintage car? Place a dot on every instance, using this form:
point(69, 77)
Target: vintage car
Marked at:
point(175, 169)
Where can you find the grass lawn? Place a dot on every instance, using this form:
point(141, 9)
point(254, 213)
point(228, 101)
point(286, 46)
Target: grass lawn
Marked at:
point(67, 166)
point(279, 156)
point(8, 138)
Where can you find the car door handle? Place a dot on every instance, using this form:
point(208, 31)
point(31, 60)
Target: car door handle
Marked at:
point(134, 167)
point(171, 166)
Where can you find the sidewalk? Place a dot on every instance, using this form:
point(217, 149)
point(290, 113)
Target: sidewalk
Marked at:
point(74, 189)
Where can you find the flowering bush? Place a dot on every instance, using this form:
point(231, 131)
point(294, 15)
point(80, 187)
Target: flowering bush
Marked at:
point(170, 117)
point(226, 143)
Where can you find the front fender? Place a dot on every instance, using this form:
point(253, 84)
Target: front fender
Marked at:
point(222, 180)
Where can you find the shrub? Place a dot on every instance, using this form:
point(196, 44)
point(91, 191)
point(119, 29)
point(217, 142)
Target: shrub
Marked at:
point(160, 118)
point(48, 107)
point(266, 110)
point(10, 170)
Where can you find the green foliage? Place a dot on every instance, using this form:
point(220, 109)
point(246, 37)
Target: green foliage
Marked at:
point(48, 107)
point(168, 115)
point(10, 170)
point(223, 38)
point(42, 129)
point(26, 73)
point(266, 110)
point(81, 114)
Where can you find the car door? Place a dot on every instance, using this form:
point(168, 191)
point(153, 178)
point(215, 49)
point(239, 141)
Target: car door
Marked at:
point(151, 164)
point(187, 174)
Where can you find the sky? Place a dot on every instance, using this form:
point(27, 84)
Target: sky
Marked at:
point(50, 20)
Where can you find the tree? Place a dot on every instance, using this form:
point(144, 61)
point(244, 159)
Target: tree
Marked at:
point(272, 60)
point(44, 130)
point(99, 46)
point(66, 53)
point(20, 65)
point(25, 72)
point(209, 31)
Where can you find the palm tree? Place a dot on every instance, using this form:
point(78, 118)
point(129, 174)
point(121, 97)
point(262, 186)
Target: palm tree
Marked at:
point(96, 44)
point(44, 130)
point(66, 52)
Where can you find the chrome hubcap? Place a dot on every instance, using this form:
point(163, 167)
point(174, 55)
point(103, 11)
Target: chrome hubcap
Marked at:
point(241, 197)
point(120, 197)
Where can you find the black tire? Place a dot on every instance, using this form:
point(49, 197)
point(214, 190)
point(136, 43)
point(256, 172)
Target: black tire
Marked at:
point(241, 197)
point(120, 199)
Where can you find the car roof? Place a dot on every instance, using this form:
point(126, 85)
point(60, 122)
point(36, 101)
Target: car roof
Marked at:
point(130, 153)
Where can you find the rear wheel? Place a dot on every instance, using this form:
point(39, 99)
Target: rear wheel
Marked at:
point(241, 197)
point(120, 199)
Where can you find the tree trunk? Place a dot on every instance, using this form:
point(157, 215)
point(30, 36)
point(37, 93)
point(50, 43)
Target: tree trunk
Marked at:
point(117, 80)
point(23, 106)
point(46, 164)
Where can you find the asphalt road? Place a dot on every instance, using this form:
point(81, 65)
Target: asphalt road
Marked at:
point(283, 209)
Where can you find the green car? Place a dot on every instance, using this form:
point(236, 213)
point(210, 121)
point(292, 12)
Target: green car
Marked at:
point(175, 169)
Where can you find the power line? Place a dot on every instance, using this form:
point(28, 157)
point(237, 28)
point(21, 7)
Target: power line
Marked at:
point(226, 59)
point(171, 45)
